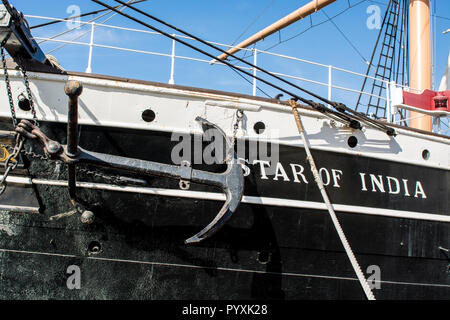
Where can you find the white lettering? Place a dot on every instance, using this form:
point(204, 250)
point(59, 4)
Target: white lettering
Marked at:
point(419, 190)
point(246, 169)
point(262, 165)
point(378, 183)
point(363, 181)
point(297, 170)
point(397, 185)
point(405, 184)
point(327, 174)
point(337, 175)
point(280, 172)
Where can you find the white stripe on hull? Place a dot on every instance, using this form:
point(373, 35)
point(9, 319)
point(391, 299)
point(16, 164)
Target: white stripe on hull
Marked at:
point(276, 202)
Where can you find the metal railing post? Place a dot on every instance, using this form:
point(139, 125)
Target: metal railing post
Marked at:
point(91, 49)
point(172, 68)
point(255, 71)
point(388, 102)
point(330, 82)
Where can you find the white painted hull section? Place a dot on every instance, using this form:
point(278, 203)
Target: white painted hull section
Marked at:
point(117, 103)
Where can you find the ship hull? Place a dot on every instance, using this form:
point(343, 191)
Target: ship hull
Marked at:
point(390, 195)
point(280, 244)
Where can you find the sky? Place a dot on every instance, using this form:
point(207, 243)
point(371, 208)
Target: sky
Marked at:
point(347, 43)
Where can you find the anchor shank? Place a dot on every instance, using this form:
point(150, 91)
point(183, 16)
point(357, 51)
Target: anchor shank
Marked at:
point(134, 165)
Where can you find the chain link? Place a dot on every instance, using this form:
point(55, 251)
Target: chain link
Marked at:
point(239, 117)
point(27, 87)
point(12, 163)
point(115, 180)
point(8, 87)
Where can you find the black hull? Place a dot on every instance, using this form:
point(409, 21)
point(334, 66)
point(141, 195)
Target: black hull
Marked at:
point(264, 252)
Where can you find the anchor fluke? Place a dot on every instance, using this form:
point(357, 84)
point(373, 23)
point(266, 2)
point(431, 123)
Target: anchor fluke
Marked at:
point(232, 183)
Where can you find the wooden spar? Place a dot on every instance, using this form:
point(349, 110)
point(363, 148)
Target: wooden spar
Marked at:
point(303, 12)
point(420, 56)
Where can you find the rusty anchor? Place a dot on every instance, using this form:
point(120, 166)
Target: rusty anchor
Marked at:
point(231, 181)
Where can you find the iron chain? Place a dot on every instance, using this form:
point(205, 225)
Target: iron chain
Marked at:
point(11, 162)
point(8, 87)
point(27, 87)
point(239, 117)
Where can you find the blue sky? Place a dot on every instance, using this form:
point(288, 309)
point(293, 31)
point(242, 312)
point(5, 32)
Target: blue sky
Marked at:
point(224, 22)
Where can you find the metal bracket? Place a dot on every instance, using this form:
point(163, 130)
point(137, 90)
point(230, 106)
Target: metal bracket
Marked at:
point(231, 181)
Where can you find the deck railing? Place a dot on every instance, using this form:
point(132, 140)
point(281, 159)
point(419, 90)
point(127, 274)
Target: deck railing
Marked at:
point(331, 84)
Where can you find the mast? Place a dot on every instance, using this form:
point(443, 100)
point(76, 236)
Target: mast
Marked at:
point(303, 12)
point(420, 56)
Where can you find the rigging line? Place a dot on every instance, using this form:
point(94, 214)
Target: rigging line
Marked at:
point(373, 55)
point(435, 15)
point(87, 32)
point(345, 37)
point(79, 16)
point(384, 4)
point(246, 52)
point(70, 30)
point(441, 17)
point(316, 106)
point(445, 124)
point(307, 29)
point(340, 107)
point(254, 21)
point(311, 103)
point(316, 25)
point(257, 87)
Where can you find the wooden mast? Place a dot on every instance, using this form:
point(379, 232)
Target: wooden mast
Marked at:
point(419, 56)
point(303, 12)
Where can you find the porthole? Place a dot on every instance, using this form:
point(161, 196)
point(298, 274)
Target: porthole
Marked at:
point(264, 257)
point(148, 115)
point(352, 142)
point(94, 247)
point(426, 154)
point(24, 103)
point(259, 127)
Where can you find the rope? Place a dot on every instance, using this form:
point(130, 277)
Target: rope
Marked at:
point(337, 225)
point(345, 37)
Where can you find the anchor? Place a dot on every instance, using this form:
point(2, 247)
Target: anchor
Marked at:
point(231, 181)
